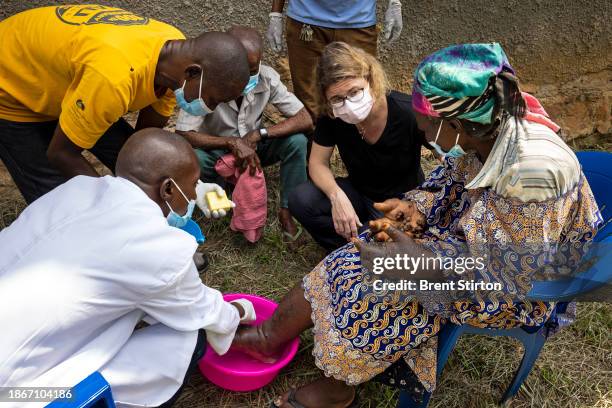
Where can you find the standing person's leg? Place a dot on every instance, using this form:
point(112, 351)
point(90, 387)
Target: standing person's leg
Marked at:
point(304, 52)
point(364, 38)
point(108, 146)
point(23, 150)
point(291, 153)
point(311, 207)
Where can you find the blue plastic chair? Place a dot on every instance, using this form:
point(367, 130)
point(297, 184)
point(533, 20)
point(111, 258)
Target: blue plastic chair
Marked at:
point(597, 167)
point(92, 392)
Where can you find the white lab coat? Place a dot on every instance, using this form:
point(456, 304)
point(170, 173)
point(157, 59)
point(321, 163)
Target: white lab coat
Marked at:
point(79, 268)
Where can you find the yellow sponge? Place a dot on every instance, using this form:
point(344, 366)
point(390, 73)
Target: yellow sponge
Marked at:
point(216, 202)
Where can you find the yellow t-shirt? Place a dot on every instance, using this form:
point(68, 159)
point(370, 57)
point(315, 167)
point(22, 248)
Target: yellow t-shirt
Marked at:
point(87, 65)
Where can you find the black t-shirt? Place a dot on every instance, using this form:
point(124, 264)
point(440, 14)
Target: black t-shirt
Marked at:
point(387, 168)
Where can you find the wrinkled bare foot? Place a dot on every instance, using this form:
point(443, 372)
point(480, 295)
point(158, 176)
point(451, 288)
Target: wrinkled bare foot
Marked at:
point(253, 341)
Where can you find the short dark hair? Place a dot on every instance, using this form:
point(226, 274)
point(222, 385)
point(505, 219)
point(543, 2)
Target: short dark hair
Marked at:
point(222, 57)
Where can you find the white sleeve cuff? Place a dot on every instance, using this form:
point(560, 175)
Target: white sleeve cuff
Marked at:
point(220, 342)
point(221, 339)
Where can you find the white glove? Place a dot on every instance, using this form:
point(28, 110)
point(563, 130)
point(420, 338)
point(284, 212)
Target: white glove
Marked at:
point(201, 190)
point(275, 32)
point(249, 311)
point(393, 21)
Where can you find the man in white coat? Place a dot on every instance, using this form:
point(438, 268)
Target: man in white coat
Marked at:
point(83, 264)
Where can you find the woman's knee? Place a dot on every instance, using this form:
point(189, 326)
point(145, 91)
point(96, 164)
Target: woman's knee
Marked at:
point(303, 199)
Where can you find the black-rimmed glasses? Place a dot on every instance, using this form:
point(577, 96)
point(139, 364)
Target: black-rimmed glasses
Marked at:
point(354, 95)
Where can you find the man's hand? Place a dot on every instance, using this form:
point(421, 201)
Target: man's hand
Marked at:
point(345, 218)
point(252, 138)
point(201, 190)
point(275, 32)
point(245, 155)
point(246, 310)
point(393, 21)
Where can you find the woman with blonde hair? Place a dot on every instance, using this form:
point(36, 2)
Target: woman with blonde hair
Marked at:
point(379, 142)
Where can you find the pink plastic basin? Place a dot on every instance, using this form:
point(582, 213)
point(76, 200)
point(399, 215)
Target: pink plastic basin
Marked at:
point(236, 371)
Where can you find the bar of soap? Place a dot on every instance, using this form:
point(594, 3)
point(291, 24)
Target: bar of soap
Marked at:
point(216, 202)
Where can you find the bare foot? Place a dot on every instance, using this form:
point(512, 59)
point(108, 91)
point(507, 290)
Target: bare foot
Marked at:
point(253, 341)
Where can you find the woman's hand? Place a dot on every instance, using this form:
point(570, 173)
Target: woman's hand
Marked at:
point(345, 218)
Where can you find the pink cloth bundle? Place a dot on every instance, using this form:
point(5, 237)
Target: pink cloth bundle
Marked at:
point(536, 113)
point(250, 196)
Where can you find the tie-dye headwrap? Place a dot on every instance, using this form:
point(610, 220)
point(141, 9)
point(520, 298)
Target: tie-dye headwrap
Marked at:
point(460, 82)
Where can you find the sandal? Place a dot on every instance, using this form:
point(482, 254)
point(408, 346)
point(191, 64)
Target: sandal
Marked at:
point(295, 404)
point(292, 238)
point(296, 241)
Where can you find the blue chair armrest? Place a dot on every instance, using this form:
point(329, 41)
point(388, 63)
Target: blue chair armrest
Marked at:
point(86, 393)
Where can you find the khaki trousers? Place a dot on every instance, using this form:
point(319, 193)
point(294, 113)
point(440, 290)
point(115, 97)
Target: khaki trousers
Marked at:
point(304, 55)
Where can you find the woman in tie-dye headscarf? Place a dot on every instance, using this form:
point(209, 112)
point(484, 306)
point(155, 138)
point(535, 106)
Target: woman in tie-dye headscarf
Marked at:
point(508, 192)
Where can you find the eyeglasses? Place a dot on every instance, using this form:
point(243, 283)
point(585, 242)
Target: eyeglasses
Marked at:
point(354, 95)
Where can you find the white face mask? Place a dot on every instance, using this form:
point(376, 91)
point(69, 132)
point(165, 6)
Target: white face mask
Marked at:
point(355, 112)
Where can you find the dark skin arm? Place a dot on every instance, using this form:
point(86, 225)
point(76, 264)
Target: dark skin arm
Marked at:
point(244, 153)
point(201, 140)
point(66, 156)
point(301, 122)
point(148, 117)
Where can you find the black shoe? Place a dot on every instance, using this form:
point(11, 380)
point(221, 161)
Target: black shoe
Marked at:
point(201, 262)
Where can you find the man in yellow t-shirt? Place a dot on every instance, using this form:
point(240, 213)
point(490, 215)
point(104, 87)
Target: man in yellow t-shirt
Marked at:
point(69, 73)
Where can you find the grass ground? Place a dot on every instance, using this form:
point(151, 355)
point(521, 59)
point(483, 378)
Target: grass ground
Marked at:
point(574, 369)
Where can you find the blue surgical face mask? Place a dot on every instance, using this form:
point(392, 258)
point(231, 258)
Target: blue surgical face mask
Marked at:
point(176, 220)
point(253, 81)
point(197, 107)
point(455, 151)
